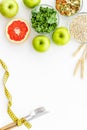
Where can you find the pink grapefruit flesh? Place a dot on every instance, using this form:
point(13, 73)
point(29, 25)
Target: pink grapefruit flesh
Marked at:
point(17, 30)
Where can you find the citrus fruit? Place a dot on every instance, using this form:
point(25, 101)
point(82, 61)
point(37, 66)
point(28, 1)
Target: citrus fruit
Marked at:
point(17, 30)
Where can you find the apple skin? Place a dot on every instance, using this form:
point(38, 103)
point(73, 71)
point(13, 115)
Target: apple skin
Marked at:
point(0, 7)
point(41, 43)
point(61, 36)
point(31, 3)
point(9, 8)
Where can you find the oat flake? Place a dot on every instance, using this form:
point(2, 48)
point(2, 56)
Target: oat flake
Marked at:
point(78, 28)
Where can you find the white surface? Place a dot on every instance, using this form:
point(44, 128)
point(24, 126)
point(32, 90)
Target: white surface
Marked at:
point(43, 80)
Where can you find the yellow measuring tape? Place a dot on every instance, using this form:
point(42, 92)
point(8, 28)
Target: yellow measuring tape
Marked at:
point(18, 121)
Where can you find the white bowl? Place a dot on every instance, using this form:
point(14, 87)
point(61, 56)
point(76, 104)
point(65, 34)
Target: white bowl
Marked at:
point(81, 5)
point(72, 36)
point(49, 6)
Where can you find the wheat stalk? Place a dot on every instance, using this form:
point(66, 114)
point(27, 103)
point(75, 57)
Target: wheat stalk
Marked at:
point(81, 61)
point(79, 48)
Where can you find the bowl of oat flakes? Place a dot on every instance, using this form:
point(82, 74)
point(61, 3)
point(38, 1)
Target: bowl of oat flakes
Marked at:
point(78, 27)
point(69, 7)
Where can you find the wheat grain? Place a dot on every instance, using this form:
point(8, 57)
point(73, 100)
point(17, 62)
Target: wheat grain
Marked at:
point(78, 28)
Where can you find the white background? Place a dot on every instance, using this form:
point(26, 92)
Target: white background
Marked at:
point(43, 79)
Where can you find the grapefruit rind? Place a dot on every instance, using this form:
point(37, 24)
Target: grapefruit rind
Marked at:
point(26, 36)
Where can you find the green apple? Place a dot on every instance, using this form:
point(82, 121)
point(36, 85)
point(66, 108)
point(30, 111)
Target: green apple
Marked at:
point(31, 3)
point(41, 43)
point(61, 36)
point(9, 8)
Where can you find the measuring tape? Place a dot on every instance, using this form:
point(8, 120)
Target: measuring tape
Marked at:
point(15, 119)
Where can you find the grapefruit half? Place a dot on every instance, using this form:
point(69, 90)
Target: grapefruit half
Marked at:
point(17, 30)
